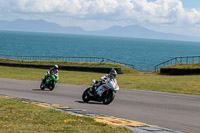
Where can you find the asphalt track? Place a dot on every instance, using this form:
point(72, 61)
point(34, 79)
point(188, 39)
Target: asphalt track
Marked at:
point(169, 110)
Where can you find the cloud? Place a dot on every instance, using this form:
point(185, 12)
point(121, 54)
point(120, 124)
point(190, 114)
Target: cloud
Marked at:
point(137, 11)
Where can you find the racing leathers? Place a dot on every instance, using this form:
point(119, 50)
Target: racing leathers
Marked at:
point(51, 71)
point(103, 80)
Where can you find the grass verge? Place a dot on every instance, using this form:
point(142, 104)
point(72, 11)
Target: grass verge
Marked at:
point(17, 116)
point(139, 80)
point(184, 66)
point(125, 68)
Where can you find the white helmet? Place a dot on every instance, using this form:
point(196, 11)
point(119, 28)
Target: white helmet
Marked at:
point(55, 67)
point(113, 73)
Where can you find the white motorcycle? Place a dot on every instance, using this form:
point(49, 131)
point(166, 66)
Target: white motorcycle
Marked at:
point(105, 92)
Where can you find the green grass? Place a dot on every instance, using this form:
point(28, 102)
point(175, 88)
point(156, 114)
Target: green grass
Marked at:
point(184, 66)
point(19, 117)
point(137, 80)
point(165, 83)
point(125, 69)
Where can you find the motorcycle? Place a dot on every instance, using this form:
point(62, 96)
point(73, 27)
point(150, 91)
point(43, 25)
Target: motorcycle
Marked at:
point(49, 82)
point(105, 92)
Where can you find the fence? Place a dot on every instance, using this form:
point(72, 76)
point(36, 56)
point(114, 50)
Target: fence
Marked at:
point(67, 59)
point(179, 60)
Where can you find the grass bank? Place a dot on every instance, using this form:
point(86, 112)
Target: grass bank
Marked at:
point(17, 116)
point(184, 66)
point(125, 68)
point(135, 80)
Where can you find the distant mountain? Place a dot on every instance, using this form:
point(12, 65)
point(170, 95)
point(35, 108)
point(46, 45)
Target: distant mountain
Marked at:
point(133, 31)
point(137, 31)
point(37, 26)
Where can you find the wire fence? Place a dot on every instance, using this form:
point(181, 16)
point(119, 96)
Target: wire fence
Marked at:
point(173, 61)
point(179, 60)
point(67, 59)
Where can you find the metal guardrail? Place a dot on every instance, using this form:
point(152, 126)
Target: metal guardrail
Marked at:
point(67, 59)
point(178, 60)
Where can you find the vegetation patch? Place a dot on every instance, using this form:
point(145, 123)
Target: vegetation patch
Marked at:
point(67, 63)
point(184, 66)
point(17, 116)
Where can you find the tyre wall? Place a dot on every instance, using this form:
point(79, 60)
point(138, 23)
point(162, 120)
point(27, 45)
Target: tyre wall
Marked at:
point(173, 71)
point(69, 68)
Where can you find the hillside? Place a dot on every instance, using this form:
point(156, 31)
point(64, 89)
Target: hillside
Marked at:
point(133, 31)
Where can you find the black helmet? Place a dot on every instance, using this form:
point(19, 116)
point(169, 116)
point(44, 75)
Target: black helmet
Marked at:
point(113, 73)
point(55, 67)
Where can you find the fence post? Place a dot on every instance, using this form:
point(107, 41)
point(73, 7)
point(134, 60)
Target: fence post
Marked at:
point(199, 59)
point(175, 60)
point(187, 61)
point(181, 60)
point(193, 60)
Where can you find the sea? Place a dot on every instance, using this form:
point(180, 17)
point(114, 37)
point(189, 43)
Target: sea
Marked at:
point(143, 53)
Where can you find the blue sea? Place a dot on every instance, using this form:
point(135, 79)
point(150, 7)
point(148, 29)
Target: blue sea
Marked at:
point(143, 53)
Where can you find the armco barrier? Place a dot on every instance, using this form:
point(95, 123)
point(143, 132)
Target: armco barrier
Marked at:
point(173, 71)
point(69, 68)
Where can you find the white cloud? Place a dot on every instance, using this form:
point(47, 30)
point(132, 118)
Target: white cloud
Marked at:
point(158, 11)
point(170, 12)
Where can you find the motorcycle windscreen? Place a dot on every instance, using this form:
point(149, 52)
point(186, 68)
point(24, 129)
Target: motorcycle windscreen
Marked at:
point(114, 85)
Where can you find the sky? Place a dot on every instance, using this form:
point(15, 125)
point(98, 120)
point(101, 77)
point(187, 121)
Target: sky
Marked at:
point(169, 16)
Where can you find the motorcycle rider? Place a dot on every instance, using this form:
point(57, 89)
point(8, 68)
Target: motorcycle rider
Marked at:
point(52, 71)
point(105, 79)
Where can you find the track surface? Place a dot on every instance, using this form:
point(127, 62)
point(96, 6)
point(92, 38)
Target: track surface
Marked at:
point(174, 111)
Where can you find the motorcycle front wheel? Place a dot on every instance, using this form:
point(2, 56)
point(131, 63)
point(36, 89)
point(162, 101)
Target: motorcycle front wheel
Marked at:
point(85, 96)
point(108, 97)
point(42, 86)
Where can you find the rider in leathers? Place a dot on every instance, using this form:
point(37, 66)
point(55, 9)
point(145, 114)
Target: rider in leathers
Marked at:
point(106, 78)
point(52, 71)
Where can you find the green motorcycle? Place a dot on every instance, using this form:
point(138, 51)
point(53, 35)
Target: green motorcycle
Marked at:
point(49, 82)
